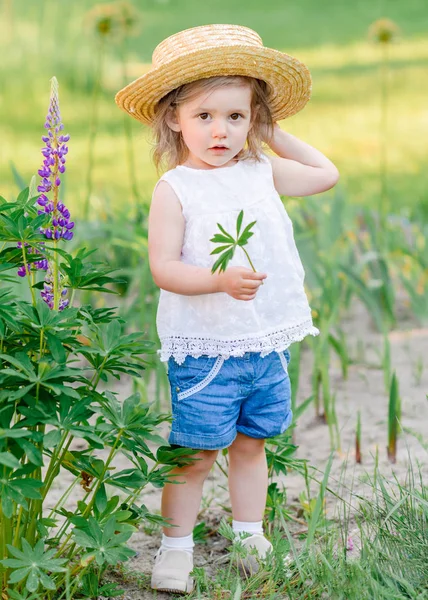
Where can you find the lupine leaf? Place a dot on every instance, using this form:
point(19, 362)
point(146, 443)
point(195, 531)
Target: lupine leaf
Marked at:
point(8, 459)
point(220, 249)
point(229, 250)
point(106, 546)
point(217, 265)
point(239, 223)
point(244, 238)
point(247, 230)
point(225, 232)
point(223, 260)
point(32, 562)
point(221, 238)
point(56, 348)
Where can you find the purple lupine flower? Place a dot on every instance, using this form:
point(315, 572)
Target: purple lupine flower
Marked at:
point(40, 264)
point(22, 271)
point(47, 293)
point(53, 167)
point(43, 200)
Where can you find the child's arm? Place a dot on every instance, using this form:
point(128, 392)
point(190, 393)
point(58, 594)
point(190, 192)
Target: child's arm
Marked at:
point(299, 169)
point(166, 233)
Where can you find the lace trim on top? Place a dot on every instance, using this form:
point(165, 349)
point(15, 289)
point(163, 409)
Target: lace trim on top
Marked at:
point(179, 346)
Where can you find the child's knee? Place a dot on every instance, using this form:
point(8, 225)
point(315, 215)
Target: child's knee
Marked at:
point(246, 447)
point(202, 464)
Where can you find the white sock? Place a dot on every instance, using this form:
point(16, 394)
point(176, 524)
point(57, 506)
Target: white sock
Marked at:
point(178, 543)
point(249, 527)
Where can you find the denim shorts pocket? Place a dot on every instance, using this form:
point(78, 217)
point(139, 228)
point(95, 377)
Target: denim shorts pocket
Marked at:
point(193, 374)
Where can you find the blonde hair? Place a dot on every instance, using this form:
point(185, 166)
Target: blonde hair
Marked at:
point(169, 147)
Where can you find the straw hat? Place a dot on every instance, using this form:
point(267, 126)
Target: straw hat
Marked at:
point(213, 50)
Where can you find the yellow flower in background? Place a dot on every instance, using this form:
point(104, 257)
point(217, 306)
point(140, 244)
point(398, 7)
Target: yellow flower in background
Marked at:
point(104, 20)
point(113, 20)
point(130, 16)
point(384, 31)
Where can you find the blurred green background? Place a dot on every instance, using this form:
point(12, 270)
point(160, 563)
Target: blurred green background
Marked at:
point(42, 38)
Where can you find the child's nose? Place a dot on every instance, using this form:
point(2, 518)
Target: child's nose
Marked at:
point(219, 129)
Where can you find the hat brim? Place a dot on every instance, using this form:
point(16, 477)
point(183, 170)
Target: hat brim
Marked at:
point(288, 78)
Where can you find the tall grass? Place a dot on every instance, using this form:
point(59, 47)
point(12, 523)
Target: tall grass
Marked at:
point(383, 556)
point(394, 418)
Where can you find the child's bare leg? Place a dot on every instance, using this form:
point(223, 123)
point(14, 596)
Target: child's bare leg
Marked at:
point(181, 501)
point(248, 478)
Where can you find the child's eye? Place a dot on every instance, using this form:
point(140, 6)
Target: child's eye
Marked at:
point(203, 115)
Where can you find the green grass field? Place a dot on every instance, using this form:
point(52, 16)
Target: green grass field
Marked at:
point(342, 118)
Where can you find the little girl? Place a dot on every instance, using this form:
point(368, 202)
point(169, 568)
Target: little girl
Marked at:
point(213, 95)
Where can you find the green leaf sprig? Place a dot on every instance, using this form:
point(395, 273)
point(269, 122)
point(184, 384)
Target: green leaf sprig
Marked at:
point(229, 244)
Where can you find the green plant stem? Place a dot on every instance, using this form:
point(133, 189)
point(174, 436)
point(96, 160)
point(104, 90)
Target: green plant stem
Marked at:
point(393, 417)
point(249, 259)
point(94, 491)
point(55, 241)
point(66, 522)
point(99, 373)
point(77, 578)
point(55, 278)
point(36, 510)
point(358, 456)
point(18, 523)
point(24, 257)
point(5, 537)
point(41, 349)
point(383, 141)
point(104, 471)
point(63, 498)
point(53, 463)
point(65, 578)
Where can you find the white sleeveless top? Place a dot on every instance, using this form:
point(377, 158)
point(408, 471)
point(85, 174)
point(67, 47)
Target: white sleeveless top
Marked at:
point(217, 324)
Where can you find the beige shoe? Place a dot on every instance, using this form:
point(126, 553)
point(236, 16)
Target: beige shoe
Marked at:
point(171, 571)
point(250, 564)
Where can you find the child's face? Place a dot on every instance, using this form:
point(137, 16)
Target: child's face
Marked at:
point(220, 117)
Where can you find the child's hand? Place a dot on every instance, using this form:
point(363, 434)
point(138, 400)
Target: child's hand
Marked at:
point(240, 283)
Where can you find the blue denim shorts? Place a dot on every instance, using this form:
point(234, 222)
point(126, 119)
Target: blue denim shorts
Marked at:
point(213, 398)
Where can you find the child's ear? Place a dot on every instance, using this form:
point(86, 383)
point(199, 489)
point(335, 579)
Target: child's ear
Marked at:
point(172, 121)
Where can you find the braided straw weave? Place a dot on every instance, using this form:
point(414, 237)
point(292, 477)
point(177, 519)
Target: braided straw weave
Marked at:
point(213, 50)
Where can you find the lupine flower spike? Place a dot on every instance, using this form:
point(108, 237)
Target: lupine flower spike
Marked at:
point(54, 153)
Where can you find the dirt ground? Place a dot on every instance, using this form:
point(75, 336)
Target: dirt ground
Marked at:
point(364, 390)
